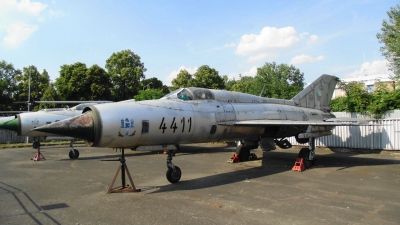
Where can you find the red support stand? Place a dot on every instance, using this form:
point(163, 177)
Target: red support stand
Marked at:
point(299, 165)
point(234, 159)
point(39, 156)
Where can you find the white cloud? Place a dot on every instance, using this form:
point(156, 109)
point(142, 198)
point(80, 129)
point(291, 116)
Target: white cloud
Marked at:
point(18, 33)
point(313, 38)
point(371, 68)
point(167, 81)
point(24, 6)
point(269, 38)
point(299, 59)
point(251, 73)
point(229, 45)
point(258, 57)
point(304, 34)
point(19, 20)
point(55, 14)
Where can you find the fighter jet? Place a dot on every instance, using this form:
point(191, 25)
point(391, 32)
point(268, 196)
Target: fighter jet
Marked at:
point(198, 115)
point(24, 123)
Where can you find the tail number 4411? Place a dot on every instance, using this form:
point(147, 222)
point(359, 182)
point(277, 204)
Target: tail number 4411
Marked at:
point(176, 124)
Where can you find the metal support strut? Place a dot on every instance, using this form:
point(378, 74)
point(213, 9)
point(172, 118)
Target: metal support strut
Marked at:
point(125, 187)
point(311, 156)
point(170, 154)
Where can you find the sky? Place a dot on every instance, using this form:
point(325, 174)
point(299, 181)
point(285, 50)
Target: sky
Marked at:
point(233, 37)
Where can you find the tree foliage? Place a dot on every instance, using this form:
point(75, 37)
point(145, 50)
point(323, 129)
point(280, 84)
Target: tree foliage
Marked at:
point(50, 94)
point(77, 82)
point(98, 83)
point(207, 77)
point(72, 83)
point(246, 84)
point(154, 83)
point(149, 94)
point(282, 81)
point(390, 37)
point(38, 83)
point(358, 99)
point(7, 84)
point(126, 71)
point(183, 79)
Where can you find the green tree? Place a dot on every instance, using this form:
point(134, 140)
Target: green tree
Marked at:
point(98, 86)
point(383, 100)
point(358, 97)
point(38, 83)
point(72, 83)
point(340, 104)
point(149, 94)
point(282, 81)
point(49, 94)
point(228, 83)
point(390, 36)
point(248, 85)
point(154, 83)
point(207, 77)
point(126, 71)
point(183, 79)
point(7, 85)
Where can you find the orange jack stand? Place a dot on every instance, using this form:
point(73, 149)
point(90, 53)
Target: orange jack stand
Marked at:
point(39, 156)
point(299, 165)
point(234, 159)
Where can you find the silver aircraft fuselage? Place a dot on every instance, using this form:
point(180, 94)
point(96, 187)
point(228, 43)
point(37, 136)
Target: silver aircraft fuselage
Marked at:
point(172, 120)
point(195, 115)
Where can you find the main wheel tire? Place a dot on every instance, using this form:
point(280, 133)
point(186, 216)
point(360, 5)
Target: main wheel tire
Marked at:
point(75, 155)
point(174, 177)
point(244, 154)
point(304, 153)
point(36, 145)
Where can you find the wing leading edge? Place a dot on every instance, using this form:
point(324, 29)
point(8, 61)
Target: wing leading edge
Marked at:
point(328, 122)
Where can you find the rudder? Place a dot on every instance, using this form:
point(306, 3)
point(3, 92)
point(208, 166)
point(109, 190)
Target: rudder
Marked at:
point(318, 94)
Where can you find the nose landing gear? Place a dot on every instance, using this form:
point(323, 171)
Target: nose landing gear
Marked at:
point(174, 172)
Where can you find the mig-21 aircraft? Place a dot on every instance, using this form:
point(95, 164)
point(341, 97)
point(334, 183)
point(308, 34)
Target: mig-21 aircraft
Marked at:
point(24, 123)
point(198, 115)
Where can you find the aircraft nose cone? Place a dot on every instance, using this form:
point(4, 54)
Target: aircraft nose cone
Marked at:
point(10, 125)
point(81, 127)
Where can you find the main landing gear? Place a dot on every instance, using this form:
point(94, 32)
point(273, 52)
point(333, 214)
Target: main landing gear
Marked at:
point(308, 154)
point(174, 172)
point(243, 151)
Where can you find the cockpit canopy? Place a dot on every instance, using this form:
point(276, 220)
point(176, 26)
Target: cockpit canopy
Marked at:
point(191, 93)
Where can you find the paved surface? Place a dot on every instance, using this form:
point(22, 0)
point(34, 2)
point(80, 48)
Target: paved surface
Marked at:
point(346, 188)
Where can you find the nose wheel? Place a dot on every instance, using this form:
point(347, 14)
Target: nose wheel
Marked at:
point(73, 153)
point(174, 173)
point(174, 176)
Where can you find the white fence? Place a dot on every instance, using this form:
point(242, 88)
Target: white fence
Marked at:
point(7, 136)
point(385, 136)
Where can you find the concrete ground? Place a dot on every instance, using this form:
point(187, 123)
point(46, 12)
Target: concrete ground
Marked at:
point(346, 188)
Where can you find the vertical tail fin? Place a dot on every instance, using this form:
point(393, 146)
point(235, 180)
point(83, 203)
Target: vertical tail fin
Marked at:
point(318, 94)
